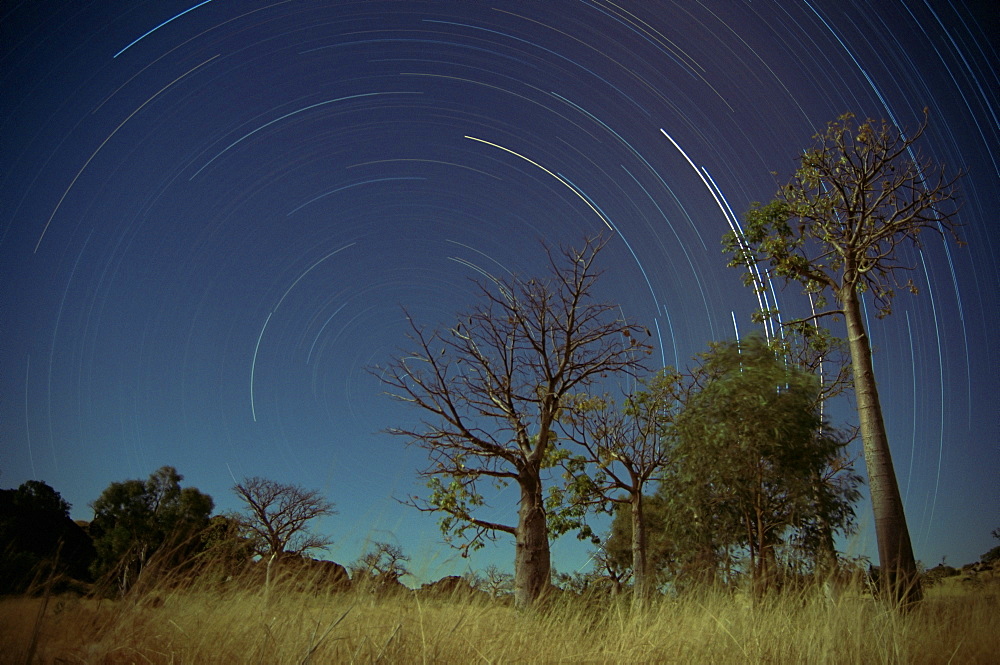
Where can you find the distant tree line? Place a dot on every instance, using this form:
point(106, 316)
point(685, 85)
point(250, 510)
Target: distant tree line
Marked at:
point(144, 529)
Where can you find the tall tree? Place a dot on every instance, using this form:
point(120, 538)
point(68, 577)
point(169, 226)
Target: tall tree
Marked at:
point(134, 519)
point(859, 195)
point(492, 388)
point(621, 449)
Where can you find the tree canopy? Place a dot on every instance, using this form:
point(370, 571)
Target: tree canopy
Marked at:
point(37, 533)
point(753, 469)
point(133, 519)
point(752, 433)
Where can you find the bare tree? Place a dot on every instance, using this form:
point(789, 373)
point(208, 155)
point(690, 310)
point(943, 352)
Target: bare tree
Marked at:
point(277, 515)
point(609, 568)
point(491, 389)
point(381, 566)
point(623, 448)
point(496, 582)
point(861, 194)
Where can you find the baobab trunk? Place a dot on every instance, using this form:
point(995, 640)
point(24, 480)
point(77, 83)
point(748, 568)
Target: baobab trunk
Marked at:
point(532, 572)
point(898, 574)
point(640, 578)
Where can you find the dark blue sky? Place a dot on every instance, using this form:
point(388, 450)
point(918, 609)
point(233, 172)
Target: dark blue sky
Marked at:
point(213, 213)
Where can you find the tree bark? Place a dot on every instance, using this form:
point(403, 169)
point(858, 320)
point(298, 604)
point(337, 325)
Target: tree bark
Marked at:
point(640, 577)
point(898, 574)
point(532, 566)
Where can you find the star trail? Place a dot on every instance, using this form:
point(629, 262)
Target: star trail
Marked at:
point(214, 214)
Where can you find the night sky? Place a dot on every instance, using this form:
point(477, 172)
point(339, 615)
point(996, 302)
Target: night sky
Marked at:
point(213, 214)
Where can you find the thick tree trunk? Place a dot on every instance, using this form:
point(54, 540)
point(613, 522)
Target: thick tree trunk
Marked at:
point(640, 577)
point(898, 569)
point(532, 572)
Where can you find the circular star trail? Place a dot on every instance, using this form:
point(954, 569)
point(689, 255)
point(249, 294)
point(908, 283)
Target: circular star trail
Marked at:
point(214, 214)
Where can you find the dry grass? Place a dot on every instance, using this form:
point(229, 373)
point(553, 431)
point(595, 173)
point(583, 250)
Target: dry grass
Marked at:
point(956, 623)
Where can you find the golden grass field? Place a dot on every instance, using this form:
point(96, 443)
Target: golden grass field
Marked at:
point(957, 623)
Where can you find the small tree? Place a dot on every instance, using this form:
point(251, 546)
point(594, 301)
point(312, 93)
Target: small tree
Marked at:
point(613, 565)
point(380, 567)
point(623, 448)
point(277, 515)
point(497, 582)
point(493, 387)
point(859, 194)
point(753, 435)
point(225, 549)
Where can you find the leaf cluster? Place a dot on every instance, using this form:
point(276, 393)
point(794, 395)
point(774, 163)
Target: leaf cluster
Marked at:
point(860, 195)
point(134, 518)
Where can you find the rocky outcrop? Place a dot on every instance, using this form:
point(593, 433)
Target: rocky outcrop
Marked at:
point(298, 573)
point(451, 586)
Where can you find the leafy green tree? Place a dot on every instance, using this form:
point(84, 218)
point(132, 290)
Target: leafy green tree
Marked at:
point(36, 534)
point(225, 549)
point(751, 445)
point(859, 196)
point(620, 450)
point(135, 519)
point(492, 389)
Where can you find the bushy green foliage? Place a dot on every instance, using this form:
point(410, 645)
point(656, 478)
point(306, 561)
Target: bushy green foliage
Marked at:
point(37, 533)
point(133, 519)
point(754, 470)
point(753, 448)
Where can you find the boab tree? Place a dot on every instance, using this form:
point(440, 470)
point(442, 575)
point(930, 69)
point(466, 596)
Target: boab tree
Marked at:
point(492, 387)
point(381, 567)
point(277, 516)
point(859, 196)
point(621, 449)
